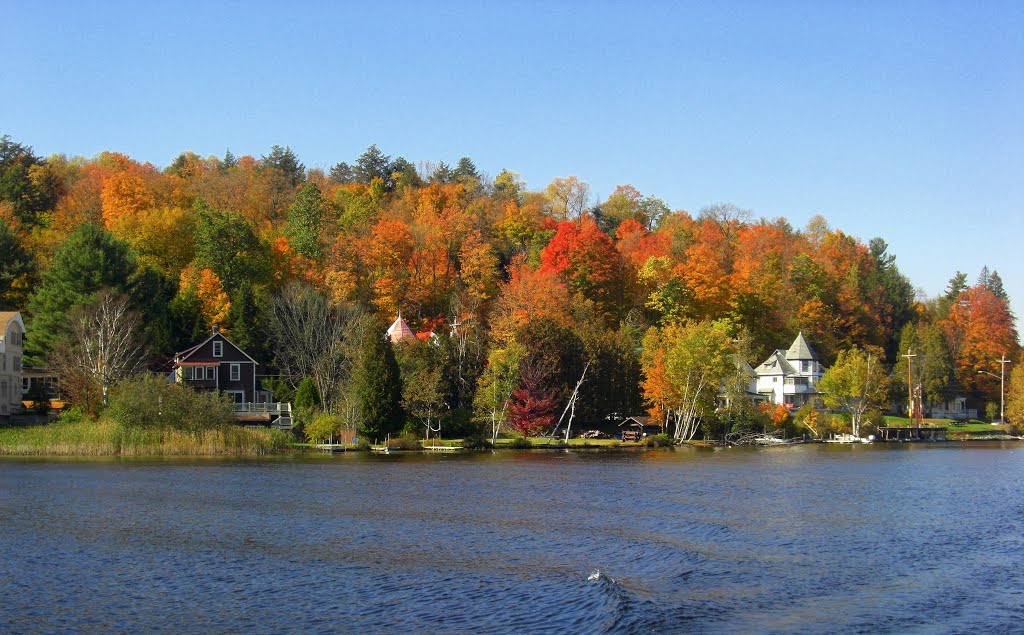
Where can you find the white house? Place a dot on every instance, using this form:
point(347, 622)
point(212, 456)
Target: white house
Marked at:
point(791, 377)
point(12, 346)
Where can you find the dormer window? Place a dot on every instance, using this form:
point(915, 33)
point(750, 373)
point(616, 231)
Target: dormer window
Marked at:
point(218, 348)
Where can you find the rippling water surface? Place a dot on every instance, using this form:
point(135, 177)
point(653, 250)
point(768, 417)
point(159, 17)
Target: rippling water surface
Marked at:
point(912, 538)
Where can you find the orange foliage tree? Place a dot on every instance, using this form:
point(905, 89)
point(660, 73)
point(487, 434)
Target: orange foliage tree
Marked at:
point(212, 298)
point(979, 331)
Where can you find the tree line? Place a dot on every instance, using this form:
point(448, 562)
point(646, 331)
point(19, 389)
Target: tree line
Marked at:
point(522, 288)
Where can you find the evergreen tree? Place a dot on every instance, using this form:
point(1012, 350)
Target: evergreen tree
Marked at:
point(189, 325)
point(153, 293)
point(957, 284)
point(341, 173)
point(246, 324)
point(995, 285)
point(442, 174)
point(89, 261)
point(305, 218)
point(307, 401)
point(372, 164)
point(466, 169)
point(229, 160)
point(14, 263)
point(377, 385)
point(287, 162)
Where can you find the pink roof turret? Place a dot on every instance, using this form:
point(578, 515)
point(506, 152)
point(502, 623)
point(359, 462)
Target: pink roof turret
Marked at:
point(400, 330)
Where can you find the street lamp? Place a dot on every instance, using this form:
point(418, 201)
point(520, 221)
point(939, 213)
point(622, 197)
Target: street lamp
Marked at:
point(1002, 383)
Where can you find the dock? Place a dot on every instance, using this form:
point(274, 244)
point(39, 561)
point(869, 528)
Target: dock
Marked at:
point(908, 433)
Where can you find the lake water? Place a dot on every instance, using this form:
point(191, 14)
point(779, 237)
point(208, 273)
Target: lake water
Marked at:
point(908, 538)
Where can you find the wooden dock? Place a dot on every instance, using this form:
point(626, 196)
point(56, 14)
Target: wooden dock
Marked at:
point(907, 433)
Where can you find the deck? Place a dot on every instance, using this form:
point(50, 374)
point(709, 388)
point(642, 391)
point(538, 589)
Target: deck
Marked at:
point(278, 415)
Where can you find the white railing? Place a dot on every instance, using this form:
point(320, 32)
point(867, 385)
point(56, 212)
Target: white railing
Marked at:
point(272, 408)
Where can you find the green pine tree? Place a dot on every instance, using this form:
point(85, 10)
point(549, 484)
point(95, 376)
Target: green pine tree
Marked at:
point(378, 386)
point(91, 260)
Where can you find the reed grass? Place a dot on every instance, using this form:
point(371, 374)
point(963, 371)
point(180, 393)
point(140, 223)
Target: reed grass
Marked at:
point(86, 437)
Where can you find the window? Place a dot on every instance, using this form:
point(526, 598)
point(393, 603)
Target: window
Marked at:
point(218, 349)
point(236, 372)
point(211, 373)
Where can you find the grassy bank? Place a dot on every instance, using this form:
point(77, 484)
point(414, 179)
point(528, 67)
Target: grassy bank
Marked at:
point(85, 437)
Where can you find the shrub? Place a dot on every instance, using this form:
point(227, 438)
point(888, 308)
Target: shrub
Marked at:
point(477, 442)
point(659, 441)
point(406, 442)
point(991, 411)
point(520, 443)
point(72, 415)
point(149, 402)
point(322, 427)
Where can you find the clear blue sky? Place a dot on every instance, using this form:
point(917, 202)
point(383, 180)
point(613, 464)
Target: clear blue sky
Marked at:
point(896, 119)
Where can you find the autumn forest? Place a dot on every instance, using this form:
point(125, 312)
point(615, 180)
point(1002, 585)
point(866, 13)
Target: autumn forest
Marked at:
point(525, 290)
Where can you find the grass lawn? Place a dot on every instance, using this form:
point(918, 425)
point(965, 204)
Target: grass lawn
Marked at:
point(573, 443)
point(968, 427)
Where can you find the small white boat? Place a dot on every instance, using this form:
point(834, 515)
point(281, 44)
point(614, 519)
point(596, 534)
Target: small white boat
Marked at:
point(849, 438)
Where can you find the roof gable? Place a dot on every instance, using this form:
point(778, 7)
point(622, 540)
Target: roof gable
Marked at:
point(6, 317)
point(195, 353)
point(776, 364)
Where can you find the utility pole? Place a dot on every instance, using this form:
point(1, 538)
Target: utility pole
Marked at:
point(1002, 383)
point(1002, 361)
point(910, 385)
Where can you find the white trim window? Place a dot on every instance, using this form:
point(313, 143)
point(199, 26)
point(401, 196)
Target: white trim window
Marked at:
point(218, 348)
point(236, 372)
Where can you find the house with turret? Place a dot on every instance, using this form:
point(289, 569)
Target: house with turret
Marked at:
point(790, 377)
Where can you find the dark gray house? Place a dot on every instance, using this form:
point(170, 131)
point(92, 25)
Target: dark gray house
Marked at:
point(217, 364)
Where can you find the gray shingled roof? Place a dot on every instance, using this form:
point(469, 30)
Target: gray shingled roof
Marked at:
point(776, 364)
point(801, 350)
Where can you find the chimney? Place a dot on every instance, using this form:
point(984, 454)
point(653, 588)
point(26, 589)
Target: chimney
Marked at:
point(216, 328)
